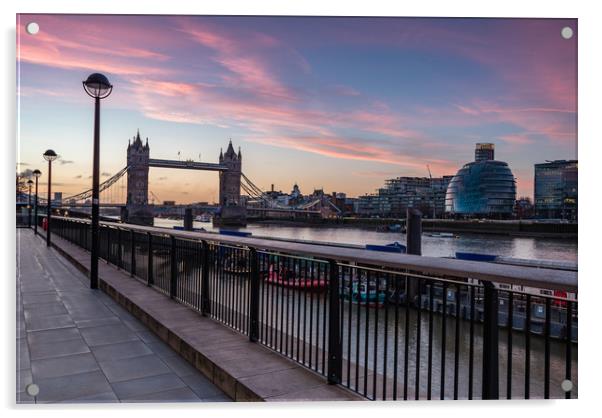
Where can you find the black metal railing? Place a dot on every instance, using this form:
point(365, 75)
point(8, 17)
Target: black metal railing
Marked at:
point(386, 329)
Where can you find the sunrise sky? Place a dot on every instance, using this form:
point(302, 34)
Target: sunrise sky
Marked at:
point(339, 103)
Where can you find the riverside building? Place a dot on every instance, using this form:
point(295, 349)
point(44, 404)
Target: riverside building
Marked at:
point(556, 190)
point(482, 188)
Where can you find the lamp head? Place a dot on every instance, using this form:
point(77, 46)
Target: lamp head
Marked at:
point(50, 155)
point(36, 173)
point(30, 182)
point(97, 85)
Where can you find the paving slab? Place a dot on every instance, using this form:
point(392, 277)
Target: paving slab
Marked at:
point(122, 350)
point(42, 350)
point(130, 389)
point(108, 334)
point(63, 366)
point(133, 368)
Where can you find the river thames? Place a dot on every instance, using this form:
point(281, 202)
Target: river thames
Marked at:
point(556, 249)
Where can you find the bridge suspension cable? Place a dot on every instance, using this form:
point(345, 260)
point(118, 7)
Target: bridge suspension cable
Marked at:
point(256, 193)
point(86, 194)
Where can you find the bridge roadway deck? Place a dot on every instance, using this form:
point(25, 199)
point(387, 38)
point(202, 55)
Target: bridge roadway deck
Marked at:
point(78, 345)
point(243, 370)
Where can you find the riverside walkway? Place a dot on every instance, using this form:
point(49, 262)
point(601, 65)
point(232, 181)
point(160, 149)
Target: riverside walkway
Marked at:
point(79, 345)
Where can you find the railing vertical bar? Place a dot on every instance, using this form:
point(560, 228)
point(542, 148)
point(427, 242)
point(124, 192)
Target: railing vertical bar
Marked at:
point(528, 348)
point(490, 379)
point(149, 269)
point(119, 246)
point(367, 331)
point(173, 283)
point(347, 274)
point(205, 299)
point(358, 329)
point(324, 322)
point(375, 348)
point(386, 335)
point(275, 273)
point(406, 352)
point(471, 344)
point(457, 342)
point(443, 342)
point(418, 335)
point(335, 349)
point(291, 319)
point(311, 315)
point(133, 253)
point(254, 282)
point(569, 342)
point(510, 325)
point(286, 263)
point(547, 350)
point(289, 328)
point(429, 377)
point(302, 263)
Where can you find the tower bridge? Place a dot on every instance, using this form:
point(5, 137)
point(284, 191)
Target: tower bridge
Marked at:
point(231, 210)
point(139, 162)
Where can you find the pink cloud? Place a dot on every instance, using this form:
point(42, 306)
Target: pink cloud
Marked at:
point(519, 139)
point(76, 44)
point(337, 147)
point(242, 57)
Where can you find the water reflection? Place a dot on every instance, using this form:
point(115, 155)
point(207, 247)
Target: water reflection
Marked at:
point(517, 247)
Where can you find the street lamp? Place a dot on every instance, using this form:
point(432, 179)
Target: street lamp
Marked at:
point(96, 86)
point(29, 184)
point(49, 156)
point(36, 173)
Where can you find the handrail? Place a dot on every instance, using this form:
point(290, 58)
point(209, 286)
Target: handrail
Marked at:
point(500, 273)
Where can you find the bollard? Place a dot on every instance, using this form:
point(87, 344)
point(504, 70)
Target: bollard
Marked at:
point(188, 219)
point(123, 214)
point(414, 246)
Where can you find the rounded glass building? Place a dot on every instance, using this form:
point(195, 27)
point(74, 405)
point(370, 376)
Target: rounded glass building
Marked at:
point(482, 188)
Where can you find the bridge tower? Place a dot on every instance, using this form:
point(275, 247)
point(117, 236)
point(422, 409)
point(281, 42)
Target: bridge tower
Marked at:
point(138, 155)
point(231, 211)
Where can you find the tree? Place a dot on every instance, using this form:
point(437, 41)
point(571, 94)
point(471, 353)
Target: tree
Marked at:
point(21, 186)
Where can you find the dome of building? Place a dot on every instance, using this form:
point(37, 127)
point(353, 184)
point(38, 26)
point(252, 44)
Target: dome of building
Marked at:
point(482, 188)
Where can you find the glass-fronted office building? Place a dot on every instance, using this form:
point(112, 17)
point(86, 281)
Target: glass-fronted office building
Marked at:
point(556, 190)
point(485, 188)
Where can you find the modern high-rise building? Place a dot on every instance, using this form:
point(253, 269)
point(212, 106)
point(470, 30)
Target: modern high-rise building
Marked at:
point(484, 187)
point(556, 190)
point(484, 152)
point(401, 193)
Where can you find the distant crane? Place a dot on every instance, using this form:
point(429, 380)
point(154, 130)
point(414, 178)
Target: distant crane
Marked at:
point(432, 192)
point(154, 197)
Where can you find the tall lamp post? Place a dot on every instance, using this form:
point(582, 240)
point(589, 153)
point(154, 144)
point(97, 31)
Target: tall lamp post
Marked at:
point(98, 87)
point(49, 156)
point(36, 173)
point(29, 184)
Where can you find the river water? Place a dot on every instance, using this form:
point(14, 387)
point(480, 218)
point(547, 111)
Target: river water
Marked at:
point(556, 249)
